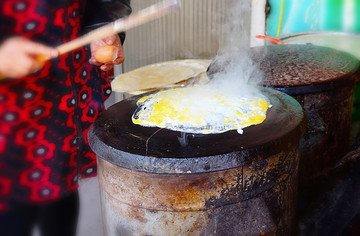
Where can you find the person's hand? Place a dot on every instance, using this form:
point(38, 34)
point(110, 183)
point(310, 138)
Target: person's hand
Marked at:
point(20, 57)
point(117, 57)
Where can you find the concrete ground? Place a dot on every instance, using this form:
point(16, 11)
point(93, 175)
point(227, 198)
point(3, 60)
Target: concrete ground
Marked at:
point(90, 220)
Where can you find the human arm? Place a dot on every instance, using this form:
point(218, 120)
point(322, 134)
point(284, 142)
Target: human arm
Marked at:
point(19, 56)
point(117, 55)
point(99, 13)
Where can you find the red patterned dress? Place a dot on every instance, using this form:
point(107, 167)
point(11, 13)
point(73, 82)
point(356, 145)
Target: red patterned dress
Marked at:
point(45, 117)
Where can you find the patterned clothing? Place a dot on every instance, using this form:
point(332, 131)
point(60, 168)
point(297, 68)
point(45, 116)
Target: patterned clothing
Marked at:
point(45, 117)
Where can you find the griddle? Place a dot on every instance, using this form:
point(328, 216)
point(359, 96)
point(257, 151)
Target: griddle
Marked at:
point(114, 133)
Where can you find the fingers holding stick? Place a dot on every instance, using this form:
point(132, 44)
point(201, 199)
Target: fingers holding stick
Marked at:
point(20, 57)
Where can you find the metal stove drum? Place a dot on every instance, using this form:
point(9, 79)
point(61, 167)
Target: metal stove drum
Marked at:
point(160, 182)
point(323, 81)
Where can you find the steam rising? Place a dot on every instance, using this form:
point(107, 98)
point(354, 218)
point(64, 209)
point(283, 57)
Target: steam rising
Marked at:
point(233, 70)
point(228, 101)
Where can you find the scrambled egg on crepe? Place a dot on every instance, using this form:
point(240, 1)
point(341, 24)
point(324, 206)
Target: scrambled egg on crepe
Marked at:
point(195, 110)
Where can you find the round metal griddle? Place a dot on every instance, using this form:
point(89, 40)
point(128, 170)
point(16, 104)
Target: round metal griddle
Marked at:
point(301, 69)
point(116, 139)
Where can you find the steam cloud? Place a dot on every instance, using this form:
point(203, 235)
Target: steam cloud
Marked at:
point(235, 72)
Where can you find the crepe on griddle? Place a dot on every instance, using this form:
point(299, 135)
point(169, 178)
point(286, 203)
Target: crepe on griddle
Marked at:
point(200, 110)
point(159, 75)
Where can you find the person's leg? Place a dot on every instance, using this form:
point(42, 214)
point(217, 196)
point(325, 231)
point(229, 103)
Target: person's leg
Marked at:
point(18, 222)
point(60, 218)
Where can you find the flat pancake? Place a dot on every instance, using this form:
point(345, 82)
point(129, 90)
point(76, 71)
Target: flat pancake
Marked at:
point(200, 110)
point(159, 75)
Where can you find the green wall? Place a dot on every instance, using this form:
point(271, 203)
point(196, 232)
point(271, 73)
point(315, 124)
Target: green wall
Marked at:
point(312, 15)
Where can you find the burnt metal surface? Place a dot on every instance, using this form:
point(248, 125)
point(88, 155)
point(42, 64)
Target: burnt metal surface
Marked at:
point(116, 139)
point(302, 69)
point(336, 210)
point(327, 137)
point(323, 81)
point(238, 201)
point(223, 184)
point(199, 191)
